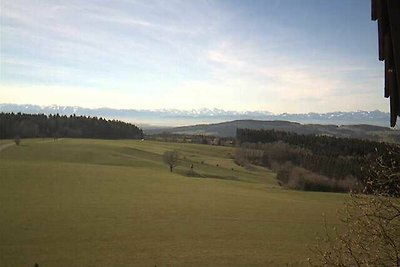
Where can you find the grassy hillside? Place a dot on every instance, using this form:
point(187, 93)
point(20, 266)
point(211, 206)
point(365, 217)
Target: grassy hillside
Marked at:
point(115, 203)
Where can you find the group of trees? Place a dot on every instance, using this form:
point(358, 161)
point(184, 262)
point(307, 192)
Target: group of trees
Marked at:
point(370, 231)
point(192, 138)
point(318, 144)
point(40, 125)
point(310, 162)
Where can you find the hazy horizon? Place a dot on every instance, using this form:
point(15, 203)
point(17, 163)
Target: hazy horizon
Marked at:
point(184, 109)
point(311, 56)
point(153, 118)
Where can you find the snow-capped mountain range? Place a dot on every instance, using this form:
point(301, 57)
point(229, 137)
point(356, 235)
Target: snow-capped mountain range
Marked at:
point(177, 117)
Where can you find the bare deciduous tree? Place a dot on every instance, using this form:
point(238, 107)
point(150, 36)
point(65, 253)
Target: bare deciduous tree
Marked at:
point(171, 158)
point(371, 232)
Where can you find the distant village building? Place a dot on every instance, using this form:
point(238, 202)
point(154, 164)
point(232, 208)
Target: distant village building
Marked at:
point(216, 141)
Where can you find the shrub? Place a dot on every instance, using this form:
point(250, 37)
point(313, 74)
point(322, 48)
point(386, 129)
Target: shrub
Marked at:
point(371, 232)
point(371, 235)
point(17, 140)
point(301, 179)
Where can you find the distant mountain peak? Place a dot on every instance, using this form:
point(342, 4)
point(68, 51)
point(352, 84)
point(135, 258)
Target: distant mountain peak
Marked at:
point(179, 117)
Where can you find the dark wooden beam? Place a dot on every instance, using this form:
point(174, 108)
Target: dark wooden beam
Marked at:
point(387, 13)
point(394, 21)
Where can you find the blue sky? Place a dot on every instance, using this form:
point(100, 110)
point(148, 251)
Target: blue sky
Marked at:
point(276, 55)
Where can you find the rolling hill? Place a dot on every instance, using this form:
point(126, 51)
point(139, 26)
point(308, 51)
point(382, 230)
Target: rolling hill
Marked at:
point(226, 129)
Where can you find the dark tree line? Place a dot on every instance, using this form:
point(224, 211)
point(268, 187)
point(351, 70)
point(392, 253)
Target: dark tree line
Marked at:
point(40, 125)
point(338, 159)
point(193, 138)
point(280, 152)
point(318, 144)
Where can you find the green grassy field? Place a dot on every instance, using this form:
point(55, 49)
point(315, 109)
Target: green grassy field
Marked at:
point(115, 203)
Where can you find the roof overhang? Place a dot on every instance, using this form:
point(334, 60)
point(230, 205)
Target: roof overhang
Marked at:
point(387, 13)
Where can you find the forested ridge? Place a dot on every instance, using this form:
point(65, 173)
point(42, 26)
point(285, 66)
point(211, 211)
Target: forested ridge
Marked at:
point(310, 162)
point(40, 125)
point(318, 144)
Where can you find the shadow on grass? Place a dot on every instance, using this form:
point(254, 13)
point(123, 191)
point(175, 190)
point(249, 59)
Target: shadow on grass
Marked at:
point(194, 174)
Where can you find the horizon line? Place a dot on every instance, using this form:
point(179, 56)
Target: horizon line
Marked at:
point(194, 109)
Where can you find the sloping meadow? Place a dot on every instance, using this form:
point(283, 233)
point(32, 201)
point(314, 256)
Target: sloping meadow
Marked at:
point(77, 202)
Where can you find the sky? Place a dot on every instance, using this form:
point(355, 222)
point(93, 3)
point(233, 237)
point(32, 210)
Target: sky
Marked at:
point(273, 55)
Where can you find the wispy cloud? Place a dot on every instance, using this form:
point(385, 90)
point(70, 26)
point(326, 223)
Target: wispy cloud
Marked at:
point(294, 82)
point(178, 54)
